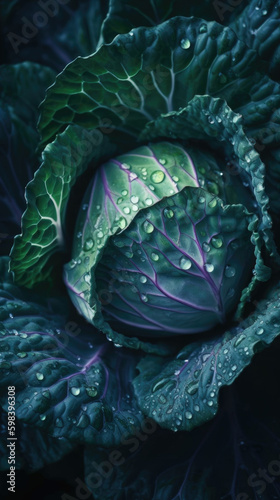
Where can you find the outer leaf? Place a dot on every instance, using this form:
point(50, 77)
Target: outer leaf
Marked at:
point(207, 118)
point(258, 25)
point(34, 449)
point(240, 445)
point(202, 368)
point(47, 197)
point(68, 382)
point(170, 274)
point(153, 70)
point(18, 140)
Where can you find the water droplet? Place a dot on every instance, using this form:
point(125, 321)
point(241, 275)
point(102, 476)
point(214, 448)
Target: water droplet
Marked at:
point(260, 331)
point(209, 268)
point(210, 403)
point(75, 391)
point(88, 244)
point(91, 391)
point(155, 256)
point(143, 279)
point(239, 340)
point(212, 203)
point(264, 12)
point(259, 187)
point(126, 210)
point(148, 202)
point(144, 297)
point(216, 242)
point(148, 227)
point(185, 43)
point(175, 178)
point(126, 166)
point(230, 271)
point(72, 263)
point(134, 199)
point(203, 28)
point(162, 399)
point(23, 335)
point(122, 223)
point(157, 177)
point(201, 199)
point(129, 254)
point(162, 161)
point(188, 415)
point(234, 368)
point(42, 417)
point(206, 247)
point(21, 354)
point(119, 201)
point(100, 234)
point(196, 408)
point(87, 278)
point(134, 208)
point(168, 213)
point(39, 376)
point(185, 263)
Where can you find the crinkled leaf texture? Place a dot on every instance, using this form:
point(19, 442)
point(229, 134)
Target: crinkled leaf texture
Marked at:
point(182, 393)
point(35, 448)
point(223, 458)
point(179, 268)
point(69, 381)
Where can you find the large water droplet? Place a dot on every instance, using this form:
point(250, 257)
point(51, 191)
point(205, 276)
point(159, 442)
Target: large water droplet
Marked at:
point(155, 256)
point(91, 391)
point(134, 199)
point(157, 177)
point(75, 391)
point(148, 227)
point(88, 245)
point(39, 376)
point(188, 415)
point(260, 331)
point(143, 279)
point(209, 268)
point(185, 263)
point(126, 210)
point(216, 242)
point(148, 202)
point(185, 43)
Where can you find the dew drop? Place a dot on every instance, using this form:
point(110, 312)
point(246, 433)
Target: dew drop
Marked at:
point(122, 222)
point(188, 415)
point(88, 245)
point(185, 263)
point(42, 417)
point(100, 234)
point(21, 354)
point(119, 200)
point(216, 242)
point(209, 268)
point(162, 161)
point(203, 28)
point(155, 256)
point(175, 178)
point(196, 408)
point(193, 388)
point(143, 279)
point(206, 247)
point(201, 199)
point(162, 399)
point(148, 227)
point(126, 166)
point(148, 202)
point(126, 210)
point(134, 199)
point(260, 331)
point(91, 391)
point(185, 43)
point(168, 213)
point(39, 376)
point(157, 177)
point(259, 187)
point(212, 203)
point(230, 271)
point(75, 391)
point(210, 403)
point(144, 297)
point(87, 278)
